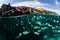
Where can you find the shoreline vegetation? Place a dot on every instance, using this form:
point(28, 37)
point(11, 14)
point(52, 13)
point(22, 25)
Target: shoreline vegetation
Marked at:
point(8, 10)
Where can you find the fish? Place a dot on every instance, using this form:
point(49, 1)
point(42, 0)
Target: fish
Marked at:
point(31, 27)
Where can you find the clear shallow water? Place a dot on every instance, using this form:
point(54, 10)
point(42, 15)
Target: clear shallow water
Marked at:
point(31, 27)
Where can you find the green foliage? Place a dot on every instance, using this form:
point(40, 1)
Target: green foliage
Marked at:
point(50, 12)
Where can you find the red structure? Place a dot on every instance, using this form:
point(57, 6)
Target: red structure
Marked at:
point(20, 8)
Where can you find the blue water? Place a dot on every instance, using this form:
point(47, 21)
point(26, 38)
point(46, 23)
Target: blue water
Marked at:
point(31, 27)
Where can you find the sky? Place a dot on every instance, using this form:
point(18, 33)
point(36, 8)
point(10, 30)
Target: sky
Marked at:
point(51, 5)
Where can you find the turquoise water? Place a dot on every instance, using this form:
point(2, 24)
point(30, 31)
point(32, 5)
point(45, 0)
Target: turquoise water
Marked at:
point(31, 27)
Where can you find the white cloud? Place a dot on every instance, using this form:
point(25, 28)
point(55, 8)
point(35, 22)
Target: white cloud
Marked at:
point(57, 3)
point(52, 9)
point(2, 2)
point(36, 4)
point(5, 2)
point(30, 3)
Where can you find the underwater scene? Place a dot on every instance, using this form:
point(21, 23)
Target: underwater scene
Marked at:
point(29, 19)
point(31, 27)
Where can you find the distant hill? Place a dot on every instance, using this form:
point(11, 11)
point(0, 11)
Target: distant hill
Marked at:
point(46, 12)
point(8, 10)
point(40, 10)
